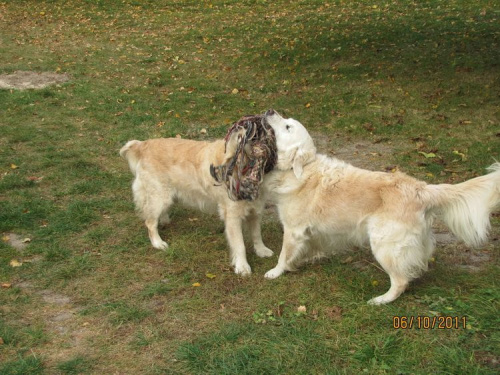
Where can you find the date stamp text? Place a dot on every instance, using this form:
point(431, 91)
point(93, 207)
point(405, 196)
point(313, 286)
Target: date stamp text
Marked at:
point(429, 322)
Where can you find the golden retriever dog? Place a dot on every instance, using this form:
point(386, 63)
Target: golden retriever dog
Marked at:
point(325, 200)
point(172, 169)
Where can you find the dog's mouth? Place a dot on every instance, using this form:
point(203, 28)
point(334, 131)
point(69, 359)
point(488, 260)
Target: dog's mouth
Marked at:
point(255, 155)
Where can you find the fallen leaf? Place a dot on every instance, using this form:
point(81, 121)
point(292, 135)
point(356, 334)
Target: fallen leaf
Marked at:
point(13, 166)
point(210, 275)
point(203, 131)
point(429, 155)
point(347, 260)
point(1, 341)
point(5, 238)
point(34, 178)
point(302, 309)
point(193, 219)
point(374, 282)
point(235, 91)
point(461, 154)
point(196, 284)
point(26, 240)
point(15, 263)
point(6, 285)
point(308, 105)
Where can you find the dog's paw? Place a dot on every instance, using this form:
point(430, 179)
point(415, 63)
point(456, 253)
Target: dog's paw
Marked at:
point(242, 269)
point(160, 245)
point(380, 300)
point(274, 273)
point(263, 251)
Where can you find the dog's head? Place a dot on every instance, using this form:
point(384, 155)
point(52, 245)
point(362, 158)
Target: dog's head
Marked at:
point(295, 145)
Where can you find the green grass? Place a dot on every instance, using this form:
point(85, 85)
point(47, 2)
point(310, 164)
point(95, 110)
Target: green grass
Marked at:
point(405, 79)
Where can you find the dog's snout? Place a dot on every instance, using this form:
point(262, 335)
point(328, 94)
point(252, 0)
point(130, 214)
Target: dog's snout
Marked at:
point(270, 112)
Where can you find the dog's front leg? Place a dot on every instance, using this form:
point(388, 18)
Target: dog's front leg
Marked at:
point(234, 236)
point(254, 225)
point(293, 244)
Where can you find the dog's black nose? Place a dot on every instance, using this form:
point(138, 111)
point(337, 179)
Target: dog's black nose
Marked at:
point(270, 112)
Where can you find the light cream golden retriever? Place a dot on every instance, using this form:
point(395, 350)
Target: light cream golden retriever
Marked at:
point(171, 169)
point(325, 200)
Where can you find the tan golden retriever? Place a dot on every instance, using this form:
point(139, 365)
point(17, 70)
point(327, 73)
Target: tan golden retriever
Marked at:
point(171, 169)
point(325, 200)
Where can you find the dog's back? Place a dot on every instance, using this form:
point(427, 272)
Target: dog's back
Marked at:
point(172, 168)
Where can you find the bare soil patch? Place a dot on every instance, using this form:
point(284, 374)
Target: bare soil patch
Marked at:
point(23, 80)
point(360, 153)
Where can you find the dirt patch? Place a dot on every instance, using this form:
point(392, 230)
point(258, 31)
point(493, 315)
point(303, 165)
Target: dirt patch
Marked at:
point(16, 241)
point(361, 154)
point(22, 80)
point(69, 333)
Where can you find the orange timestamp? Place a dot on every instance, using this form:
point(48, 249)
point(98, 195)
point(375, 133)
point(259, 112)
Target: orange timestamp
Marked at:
point(429, 322)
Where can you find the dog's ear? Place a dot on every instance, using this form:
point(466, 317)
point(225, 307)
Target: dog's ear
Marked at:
point(300, 159)
point(232, 144)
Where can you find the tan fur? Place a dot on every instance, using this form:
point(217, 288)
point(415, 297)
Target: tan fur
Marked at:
point(332, 202)
point(171, 169)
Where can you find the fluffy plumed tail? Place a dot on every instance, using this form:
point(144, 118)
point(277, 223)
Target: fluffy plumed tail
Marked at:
point(130, 153)
point(466, 207)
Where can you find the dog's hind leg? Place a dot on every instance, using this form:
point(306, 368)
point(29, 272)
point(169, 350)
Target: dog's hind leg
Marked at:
point(152, 204)
point(154, 236)
point(294, 242)
point(254, 222)
point(402, 253)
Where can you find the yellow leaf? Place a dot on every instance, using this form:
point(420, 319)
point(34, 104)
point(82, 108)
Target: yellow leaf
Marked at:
point(196, 284)
point(15, 263)
point(429, 155)
point(374, 282)
point(308, 105)
point(13, 166)
point(210, 275)
point(5, 238)
point(235, 91)
point(301, 309)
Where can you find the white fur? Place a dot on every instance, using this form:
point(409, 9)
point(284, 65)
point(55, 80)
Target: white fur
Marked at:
point(170, 169)
point(390, 212)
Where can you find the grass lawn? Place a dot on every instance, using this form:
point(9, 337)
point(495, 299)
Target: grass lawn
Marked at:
point(408, 85)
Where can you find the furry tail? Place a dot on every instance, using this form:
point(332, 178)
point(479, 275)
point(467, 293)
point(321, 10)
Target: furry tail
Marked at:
point(466, 207)
point(130, 153)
